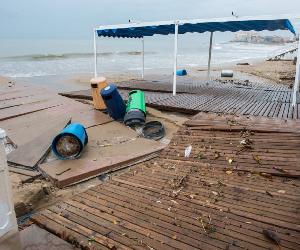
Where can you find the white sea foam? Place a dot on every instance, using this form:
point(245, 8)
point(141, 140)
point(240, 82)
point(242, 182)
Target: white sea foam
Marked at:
point(129, 58)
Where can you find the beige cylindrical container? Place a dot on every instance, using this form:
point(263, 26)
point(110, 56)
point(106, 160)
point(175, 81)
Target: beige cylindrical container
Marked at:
point(97, 84)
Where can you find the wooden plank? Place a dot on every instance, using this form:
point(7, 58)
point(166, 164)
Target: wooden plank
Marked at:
point(33, 122)
point(24, 171)
point(31, 153)
point(74, 171)
point(16, 111)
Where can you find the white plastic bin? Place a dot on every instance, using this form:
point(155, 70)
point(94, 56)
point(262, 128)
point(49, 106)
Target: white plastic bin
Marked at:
point(8, 222)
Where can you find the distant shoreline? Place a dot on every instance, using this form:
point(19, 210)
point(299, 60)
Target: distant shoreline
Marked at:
point(280, 72)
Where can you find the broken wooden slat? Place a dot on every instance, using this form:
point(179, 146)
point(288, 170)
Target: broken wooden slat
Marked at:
point(68, 172)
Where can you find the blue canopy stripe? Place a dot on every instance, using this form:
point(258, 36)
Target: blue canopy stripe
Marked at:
point(166, 28)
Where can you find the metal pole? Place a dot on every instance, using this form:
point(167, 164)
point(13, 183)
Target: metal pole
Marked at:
point(175, 57)
point(209, 55)
point(143, 58)
point(95, 54)
point(297, 77)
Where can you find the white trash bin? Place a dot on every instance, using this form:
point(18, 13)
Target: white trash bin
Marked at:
point(8, 222)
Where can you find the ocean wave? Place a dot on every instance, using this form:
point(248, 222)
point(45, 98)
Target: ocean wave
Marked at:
point(46, 57)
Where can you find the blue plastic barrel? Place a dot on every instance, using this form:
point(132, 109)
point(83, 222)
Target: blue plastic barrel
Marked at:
point(115, 104)
point(181, 72)
point(69, 143)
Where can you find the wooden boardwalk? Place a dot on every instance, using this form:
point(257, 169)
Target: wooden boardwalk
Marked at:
point(226, 98)
point(232, 191)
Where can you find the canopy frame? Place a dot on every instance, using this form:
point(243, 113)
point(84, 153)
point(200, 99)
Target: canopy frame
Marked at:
point(146, 29)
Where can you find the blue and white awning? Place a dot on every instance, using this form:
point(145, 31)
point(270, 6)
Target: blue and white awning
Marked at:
point(138, 30)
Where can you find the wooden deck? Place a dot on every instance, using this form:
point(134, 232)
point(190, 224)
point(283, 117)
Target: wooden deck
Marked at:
point(227, 98)
point(234, 188)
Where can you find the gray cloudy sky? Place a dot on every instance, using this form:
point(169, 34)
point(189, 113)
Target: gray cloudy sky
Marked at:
point(76, 18)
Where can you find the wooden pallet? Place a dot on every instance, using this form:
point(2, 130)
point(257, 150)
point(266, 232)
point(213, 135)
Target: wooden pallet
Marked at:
point(177, 202)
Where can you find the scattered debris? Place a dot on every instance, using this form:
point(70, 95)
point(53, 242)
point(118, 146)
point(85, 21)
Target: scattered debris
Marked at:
point(246, 143)
point(187, 151)
point(257, 159)
point(280, 169)
point(269, 193)
point(200, 156)
point(60, 173)
point(272, 236)
point(217, 155)
point(281, 191)
point(230, 160)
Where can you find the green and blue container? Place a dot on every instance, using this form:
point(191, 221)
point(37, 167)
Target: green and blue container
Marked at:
point(135, 109)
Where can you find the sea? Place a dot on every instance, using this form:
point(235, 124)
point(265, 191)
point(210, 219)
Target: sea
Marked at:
point(32, 59)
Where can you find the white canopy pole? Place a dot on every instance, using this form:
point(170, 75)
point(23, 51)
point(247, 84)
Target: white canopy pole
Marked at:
point(95, 53)
point(143, 58)
point(175, 57)
point(297, 77)
point(209, 55)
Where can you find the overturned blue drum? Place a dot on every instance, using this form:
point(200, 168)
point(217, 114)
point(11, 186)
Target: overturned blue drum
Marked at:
point(69, 143)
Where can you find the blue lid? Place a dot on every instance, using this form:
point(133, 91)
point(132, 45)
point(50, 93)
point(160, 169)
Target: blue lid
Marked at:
point(108, 89)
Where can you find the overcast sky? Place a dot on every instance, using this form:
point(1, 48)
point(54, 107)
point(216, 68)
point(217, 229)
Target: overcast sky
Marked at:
point(76, 18)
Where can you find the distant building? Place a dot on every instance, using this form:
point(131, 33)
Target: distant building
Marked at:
point(255, 37)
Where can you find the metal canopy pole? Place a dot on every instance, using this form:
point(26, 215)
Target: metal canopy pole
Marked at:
point(175, 57)
point(143, 58)
point(297, 77)
point(209, 55)
point(95, 53)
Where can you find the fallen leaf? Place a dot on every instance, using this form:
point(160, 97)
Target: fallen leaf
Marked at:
point(257, 159)
point(200, 156)
point(215, 193)
point(115, 222)
point(228, 172)
point(191, 196)
point(92, 238)
point(271, 236)
point(230, 160)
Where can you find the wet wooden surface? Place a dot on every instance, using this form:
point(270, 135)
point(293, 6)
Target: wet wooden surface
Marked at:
point(27, 113)
point(203, 201)
point(194, 96)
